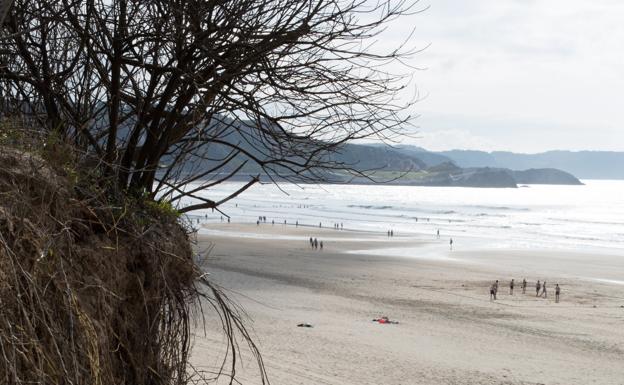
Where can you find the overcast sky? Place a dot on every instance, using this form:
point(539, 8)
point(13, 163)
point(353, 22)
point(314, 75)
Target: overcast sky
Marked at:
point(520, 75)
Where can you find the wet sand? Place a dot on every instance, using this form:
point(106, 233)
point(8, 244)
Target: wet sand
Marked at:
point(449, 332)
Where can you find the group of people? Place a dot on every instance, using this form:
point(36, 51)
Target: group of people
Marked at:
point(263, 219)
point(540, 289)
point(390, 233)
point(315, 243)
point(337, 226)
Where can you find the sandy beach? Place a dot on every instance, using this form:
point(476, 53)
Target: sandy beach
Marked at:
point(449, 332)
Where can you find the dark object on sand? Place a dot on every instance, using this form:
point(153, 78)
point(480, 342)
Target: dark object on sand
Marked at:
point(304, 325)
point(385, 320)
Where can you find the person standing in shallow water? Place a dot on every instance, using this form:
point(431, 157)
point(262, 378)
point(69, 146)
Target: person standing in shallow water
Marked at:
point(557, 292)
point(451, 243)
point(511, 287)
point(524, 285)
point(544, 290)
point(492, 292)
point(538, 286)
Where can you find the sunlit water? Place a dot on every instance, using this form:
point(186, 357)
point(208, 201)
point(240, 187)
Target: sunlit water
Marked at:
point(536, 216)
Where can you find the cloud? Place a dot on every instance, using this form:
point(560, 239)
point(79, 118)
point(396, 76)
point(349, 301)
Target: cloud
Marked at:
point(504, 133)
point(448, 139)
point(528, 75)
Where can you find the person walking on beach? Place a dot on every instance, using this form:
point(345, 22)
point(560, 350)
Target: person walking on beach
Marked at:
point(511, 287)
point(524, 285)
point(544, 289)
point(438, 234)
point(557, 292)
point(451, 244)
point(538, 287)
point(493, 292)
point(321, 245)
point(315, 243)
point(311, 242)
point(496, 285)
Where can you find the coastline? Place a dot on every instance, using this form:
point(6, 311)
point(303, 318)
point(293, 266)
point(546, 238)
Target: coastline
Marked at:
point(449, 331)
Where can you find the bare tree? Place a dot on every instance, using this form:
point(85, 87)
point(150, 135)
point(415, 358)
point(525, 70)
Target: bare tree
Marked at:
point(176, 96)
point(167, 98)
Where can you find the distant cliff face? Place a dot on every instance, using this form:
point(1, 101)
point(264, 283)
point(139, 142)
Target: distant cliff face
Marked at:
point(545, 176)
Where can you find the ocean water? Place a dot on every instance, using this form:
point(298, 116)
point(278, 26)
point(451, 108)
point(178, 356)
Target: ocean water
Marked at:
point(536, 216)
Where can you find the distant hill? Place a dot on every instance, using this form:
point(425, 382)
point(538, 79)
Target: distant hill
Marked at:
point(428, 157)
point(406, 165)
point(583, 164)
point(244, 135)
point(448, 174)
point(364, 157)
point(544, 176)
point(478, 168)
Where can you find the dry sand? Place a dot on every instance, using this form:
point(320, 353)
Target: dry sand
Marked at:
point(449, 330)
